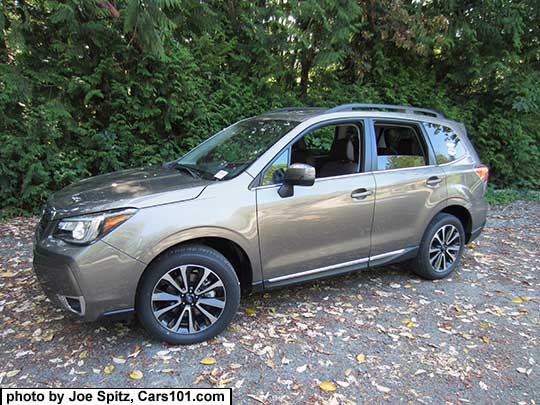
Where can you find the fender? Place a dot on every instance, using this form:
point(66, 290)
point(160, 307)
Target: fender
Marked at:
point(251, 249)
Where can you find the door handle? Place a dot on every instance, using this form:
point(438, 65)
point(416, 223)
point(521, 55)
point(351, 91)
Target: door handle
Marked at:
point(361, 194)
point(433, 182)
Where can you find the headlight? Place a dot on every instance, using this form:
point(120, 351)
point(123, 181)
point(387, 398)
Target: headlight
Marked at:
point(87, 228)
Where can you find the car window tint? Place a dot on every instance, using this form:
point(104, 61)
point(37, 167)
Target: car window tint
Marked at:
point(399, 147)
point(276, 170)
point(446, 143)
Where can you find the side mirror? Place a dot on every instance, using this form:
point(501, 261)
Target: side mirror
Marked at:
point(298, 174)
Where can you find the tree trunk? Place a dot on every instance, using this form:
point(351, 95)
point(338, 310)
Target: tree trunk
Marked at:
point(307, 63)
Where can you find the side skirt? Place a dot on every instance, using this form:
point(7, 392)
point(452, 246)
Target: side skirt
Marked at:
point(392, 257)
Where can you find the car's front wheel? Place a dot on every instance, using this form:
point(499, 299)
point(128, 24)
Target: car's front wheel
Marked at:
point(188, 295)
point(441, 247)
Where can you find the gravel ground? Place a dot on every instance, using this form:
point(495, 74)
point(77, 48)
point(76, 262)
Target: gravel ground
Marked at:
point(373, 336)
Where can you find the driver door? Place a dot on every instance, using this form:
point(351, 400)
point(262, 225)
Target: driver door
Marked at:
point(321, 230)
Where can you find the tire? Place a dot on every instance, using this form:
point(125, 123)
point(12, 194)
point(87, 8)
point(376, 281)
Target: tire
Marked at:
point(170, 312)
point(427, 263)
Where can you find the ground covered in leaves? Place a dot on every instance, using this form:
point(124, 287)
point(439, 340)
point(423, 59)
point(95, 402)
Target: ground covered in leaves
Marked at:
point(381, 334)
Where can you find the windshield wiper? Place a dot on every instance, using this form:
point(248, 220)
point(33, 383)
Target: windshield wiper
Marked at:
point(193, 172)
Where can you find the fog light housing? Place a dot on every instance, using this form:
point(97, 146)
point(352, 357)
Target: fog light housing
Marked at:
point(76, 305)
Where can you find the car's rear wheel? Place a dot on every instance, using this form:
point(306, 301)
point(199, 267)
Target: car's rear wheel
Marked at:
point(188, 295)
point(441, 247)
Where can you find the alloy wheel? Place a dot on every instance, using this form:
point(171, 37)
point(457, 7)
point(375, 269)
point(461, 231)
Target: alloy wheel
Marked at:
point(188, 299)
point(444, 248)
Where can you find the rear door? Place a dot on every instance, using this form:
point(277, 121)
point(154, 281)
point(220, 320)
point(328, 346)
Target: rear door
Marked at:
point(410, 187)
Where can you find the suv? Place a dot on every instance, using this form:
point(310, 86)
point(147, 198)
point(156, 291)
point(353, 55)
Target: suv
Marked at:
point(289, 196)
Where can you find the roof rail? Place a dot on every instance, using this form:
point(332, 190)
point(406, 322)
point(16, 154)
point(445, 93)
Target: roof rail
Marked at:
point(292, 109)
point(404, 108)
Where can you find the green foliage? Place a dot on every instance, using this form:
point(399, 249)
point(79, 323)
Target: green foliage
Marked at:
point(83, 93)
point(501, 196)
point(505, 196)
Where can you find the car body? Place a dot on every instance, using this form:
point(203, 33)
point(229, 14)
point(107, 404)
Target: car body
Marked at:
point(375, 199)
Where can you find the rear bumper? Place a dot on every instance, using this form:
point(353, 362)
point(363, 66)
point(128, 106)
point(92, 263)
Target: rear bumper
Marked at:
point(90, 281)
point(479, 217)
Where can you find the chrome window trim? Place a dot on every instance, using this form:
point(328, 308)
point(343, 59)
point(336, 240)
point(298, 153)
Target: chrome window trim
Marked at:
point(404, 168)
point(466, 155)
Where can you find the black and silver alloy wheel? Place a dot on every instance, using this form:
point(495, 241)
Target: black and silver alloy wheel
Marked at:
point(441, 247)
point(444, 248)
point(189, 294)
point(188, 299)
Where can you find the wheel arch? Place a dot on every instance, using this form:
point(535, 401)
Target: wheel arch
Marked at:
point(461, 210)
point(464, 216)
point(230, 245)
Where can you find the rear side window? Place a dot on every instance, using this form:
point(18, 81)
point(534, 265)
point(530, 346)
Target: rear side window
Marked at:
point(399, 147)
point(446, 143)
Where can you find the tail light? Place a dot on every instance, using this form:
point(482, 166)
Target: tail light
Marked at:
point(483, 172)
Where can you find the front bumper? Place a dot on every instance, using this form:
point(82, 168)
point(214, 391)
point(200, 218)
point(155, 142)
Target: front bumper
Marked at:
point(91, 281)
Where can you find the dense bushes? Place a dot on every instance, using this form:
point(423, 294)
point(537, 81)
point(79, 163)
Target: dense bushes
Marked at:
point(83, 93)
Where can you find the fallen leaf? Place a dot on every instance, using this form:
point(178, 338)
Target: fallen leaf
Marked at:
point(198, 379)
point(517, 300)
point(136, 375)
point(208, 361)
point(407, 286)
point(485, 339)
point(361, 358)
point(382, 388)
point(138, 349)
point(108, 369)
point(12, 373)
point(119, 360)
point(7, 274)
point(327, 386)
point(521, 370)
point(301, 369)
point(525, 298)
point(239, 384)
point(250, 311)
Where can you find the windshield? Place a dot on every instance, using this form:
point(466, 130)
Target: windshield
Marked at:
point(232, 150)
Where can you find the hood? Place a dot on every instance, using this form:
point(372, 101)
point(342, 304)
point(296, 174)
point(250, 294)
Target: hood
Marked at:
point(133, 188)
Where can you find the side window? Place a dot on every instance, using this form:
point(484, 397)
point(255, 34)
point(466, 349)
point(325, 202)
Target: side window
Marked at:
point(446, 143)
point(333, 150)
point(399, 146)
point(274, 173)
